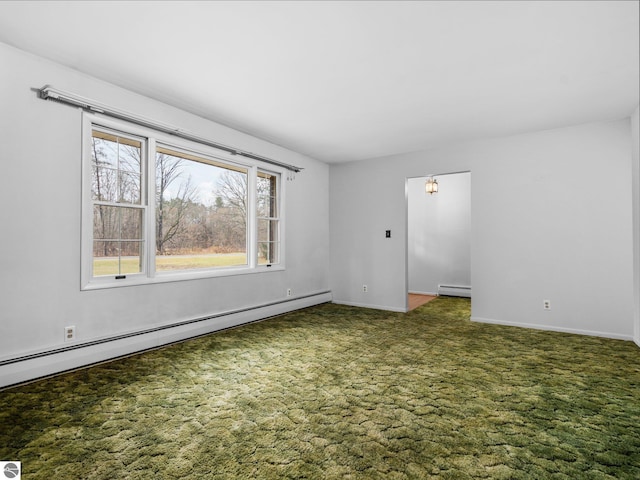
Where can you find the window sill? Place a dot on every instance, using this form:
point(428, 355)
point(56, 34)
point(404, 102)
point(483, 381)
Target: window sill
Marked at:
point(141, 279)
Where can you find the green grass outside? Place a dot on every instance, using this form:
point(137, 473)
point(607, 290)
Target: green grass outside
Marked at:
point(109, 265)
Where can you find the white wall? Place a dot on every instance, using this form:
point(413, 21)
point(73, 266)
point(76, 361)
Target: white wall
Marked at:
point(635, 145)
point(542, 227)
point(40, 243)
point(439, 233)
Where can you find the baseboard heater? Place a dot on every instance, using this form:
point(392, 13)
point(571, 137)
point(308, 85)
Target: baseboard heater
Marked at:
point(29, 367)
point(454, 290)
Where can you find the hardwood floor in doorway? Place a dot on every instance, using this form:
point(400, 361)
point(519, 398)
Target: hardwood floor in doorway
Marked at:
point(416, 300)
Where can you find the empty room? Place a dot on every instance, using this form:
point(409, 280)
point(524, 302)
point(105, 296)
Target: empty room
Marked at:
point(320, 239)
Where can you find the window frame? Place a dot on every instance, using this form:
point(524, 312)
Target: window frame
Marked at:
point(118, 203)
point(152, 140)
point(206, 159)
point(277, 218)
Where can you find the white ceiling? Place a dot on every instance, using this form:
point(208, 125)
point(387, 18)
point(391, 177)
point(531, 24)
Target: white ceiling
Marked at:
point(343, 81)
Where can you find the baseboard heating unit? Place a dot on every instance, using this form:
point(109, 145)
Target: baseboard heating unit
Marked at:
point(454, 290)
point(31, 366)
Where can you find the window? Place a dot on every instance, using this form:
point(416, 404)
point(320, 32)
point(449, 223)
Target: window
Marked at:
point(118, 210)
point(268, 218)
point(160, 209)
point(201, 212)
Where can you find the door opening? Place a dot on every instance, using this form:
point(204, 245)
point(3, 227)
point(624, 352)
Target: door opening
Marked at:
point(438, 237)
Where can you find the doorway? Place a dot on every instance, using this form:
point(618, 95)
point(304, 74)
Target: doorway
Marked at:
point(438, 237)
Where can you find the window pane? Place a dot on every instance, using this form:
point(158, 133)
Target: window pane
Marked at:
point(131, 223)
point(268, 252)
point(268, 223)
point(268, 230)
point(106, 250)
point(117, 258)
point(106, 222)
point(130, 188)
point(267, 195)
point(106, 258)
point(116, 168)
point(118, 244)
point(267, 206)
point(115, 223)
point(104, 152)
point(268, 241)
point(201, 212)
point(129, 155)
point(130, 257)
point(104, 184)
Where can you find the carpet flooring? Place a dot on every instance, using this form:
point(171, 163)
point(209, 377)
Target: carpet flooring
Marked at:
point(340, 392)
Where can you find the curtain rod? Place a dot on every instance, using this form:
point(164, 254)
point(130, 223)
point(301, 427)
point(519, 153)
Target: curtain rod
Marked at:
point(49, 93)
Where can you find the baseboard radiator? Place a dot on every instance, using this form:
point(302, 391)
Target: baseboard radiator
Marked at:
point(455, 290)
point(20, 369)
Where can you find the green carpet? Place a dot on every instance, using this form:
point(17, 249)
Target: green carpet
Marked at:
point(341, 392)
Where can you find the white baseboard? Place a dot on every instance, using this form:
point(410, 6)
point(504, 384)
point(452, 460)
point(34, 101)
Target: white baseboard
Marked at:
point(554, 328)
point(47, 363)
point(433, 294)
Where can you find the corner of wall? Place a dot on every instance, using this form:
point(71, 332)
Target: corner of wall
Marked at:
point(635, 209)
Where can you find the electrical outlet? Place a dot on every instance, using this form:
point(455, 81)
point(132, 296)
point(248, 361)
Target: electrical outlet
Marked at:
point(364, 288)
point(288, 292)
point(546, 304)
point(70, 333)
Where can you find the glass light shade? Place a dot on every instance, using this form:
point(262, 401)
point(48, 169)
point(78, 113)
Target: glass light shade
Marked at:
point(431, 186)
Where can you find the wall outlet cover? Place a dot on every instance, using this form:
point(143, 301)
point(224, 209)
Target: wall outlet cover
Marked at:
point(70, 333)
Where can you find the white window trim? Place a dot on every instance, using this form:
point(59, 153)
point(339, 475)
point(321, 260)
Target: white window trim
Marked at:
point(278, 208)
point(149, 275)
